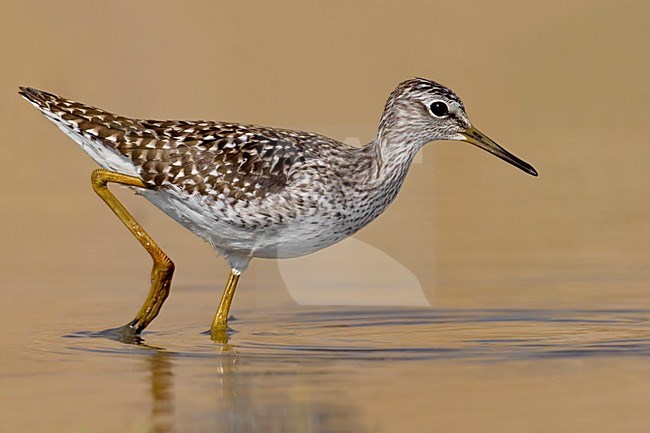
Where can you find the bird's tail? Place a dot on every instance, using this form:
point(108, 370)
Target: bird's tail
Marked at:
point(44, 101)
point(92, 128)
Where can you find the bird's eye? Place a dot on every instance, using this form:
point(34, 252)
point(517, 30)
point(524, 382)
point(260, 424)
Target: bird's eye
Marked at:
point(439, 109)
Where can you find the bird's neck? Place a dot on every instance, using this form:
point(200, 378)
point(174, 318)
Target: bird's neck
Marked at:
point(391, 159)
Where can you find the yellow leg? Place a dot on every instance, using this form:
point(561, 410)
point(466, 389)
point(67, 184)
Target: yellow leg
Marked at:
point(163, 267)
point(220, 323)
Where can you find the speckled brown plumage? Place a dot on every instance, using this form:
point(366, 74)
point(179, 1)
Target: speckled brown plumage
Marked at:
point(254, 191)
point(212, 158)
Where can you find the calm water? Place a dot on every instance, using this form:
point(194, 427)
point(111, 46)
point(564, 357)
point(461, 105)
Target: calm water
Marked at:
point(350, 369)
point(483, 300)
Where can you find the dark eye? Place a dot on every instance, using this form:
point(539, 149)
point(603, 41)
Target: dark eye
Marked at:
point(439, 109)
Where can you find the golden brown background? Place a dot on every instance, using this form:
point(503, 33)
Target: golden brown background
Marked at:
point(564, 85)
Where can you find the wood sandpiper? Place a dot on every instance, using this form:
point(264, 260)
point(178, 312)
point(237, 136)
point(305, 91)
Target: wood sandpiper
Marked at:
point(254, 191)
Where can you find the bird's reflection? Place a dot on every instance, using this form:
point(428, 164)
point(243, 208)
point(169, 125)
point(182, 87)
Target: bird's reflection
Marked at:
point(248, 395)
point(162, 406)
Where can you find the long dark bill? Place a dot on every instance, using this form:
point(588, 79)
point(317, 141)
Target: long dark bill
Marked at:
point(477, 138)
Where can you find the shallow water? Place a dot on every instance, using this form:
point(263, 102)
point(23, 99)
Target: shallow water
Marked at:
point(404, 334)
point(482, 300)
point(333, 369)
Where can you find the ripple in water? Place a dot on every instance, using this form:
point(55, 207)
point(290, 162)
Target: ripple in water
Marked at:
point(394, 334)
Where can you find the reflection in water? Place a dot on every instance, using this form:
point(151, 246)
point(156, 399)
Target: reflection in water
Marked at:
point(243, 401)
point(251, 402)
point(162, 406)
point(303, 376)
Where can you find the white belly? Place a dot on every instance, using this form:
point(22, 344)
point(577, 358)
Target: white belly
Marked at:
point(221, 226)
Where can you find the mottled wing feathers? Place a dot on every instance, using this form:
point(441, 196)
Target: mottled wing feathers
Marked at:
point(222, 160)
point(219, 159)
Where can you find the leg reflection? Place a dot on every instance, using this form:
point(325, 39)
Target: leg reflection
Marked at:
point(162, 409)
point(227, 392)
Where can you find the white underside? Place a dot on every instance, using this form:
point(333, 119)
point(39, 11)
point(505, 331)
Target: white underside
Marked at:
point(196, 213)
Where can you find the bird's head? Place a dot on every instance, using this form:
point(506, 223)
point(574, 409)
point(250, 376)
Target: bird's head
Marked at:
point(422, 110)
